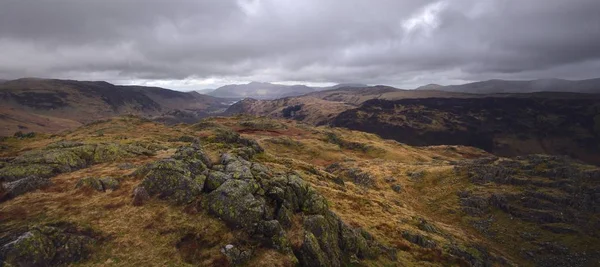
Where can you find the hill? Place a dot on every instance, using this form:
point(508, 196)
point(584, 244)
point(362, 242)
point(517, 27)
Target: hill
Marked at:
point(205, 91)
point(321, 107)
point(563, 124)
point(255, 191)
point(260, 90)
point(541, 85)
point(45, 104)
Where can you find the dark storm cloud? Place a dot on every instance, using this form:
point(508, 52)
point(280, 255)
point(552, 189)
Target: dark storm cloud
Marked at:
point(403, 43)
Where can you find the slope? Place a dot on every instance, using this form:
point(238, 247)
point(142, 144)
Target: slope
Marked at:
point(60, 101)
point(423, 206)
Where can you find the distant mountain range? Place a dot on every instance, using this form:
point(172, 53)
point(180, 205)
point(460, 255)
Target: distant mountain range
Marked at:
point(260, 90)
point(504, 86)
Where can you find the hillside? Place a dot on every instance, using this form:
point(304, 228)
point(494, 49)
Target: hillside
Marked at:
point(307, 109)
point(321, 107)
point(255, 191)
point(53, 105)
point(506, 126)
point(504, 86)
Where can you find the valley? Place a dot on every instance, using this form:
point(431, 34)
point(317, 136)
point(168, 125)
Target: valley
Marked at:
point(355, 176)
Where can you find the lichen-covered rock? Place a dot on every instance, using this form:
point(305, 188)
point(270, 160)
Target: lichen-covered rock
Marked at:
point(140, 196)
point(22, 186)
point(314, 203)
point(171, 179)
point(419, 239)
point(275, 236)
point(90, 182)
point(61, 158)
point(30, 249)
point(193, 152)
point(109, 183)
point(64, 144)
point(46, 246)
point(235, 203)
point(13, 172)
point(236, 256)
point(216, 179)
point(239, 170)
point(264, 203)
point(311, 254)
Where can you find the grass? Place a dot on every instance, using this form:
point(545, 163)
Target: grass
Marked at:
point(158, 234)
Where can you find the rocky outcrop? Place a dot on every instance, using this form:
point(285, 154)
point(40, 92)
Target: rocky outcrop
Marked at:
point(31, 170)
point(49, 245)
point(557, 195)
point(22, 186)
point(262, 202)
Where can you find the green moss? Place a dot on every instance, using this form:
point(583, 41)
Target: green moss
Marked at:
point(90, 182)
point(17, 171)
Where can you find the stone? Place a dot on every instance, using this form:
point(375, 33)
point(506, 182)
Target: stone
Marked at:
point(216, 179)
point(419, 239)
point(171, 179)
point(140, 196)
point(234, 203)
point(46, 246)
point(397, 188)
point(22, 186)
point(30, 249)
point(236, 256)
point(109, 183)
point(90, 182)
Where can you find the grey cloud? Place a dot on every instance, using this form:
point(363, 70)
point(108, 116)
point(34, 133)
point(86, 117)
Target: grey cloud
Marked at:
point(400, 43)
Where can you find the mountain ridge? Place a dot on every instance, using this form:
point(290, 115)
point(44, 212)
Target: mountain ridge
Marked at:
point(496, 86)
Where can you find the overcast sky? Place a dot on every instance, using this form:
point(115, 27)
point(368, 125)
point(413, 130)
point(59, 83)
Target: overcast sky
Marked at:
point(198, 44)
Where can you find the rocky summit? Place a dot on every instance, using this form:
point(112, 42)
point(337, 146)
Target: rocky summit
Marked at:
point(247, 191)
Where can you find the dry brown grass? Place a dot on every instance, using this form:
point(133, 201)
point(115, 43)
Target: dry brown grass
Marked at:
point(151, 234)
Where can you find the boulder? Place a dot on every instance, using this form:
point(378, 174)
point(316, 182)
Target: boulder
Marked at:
point(30, 249)
point(109, 183)
point(13, 172)
point(171, 179)
point(216, 179)
point(235, 203)
point(236, 256)
point(46, 246)
point(419, 239)
point(140, 196)
point(22, 186)
point(239, 170)
point(90, 182)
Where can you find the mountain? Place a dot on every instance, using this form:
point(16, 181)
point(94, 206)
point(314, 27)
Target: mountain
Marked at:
point(431, 86)
point(307, 109)
point(260, 90)
point(321, 107)
point(341, 85)
point(32, 104)
point(522, 124)
point(503, 124)
point(205, 91)
point(248, 191)
point(503, 86)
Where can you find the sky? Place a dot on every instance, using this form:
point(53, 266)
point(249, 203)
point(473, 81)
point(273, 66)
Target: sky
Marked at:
point(194, 44)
